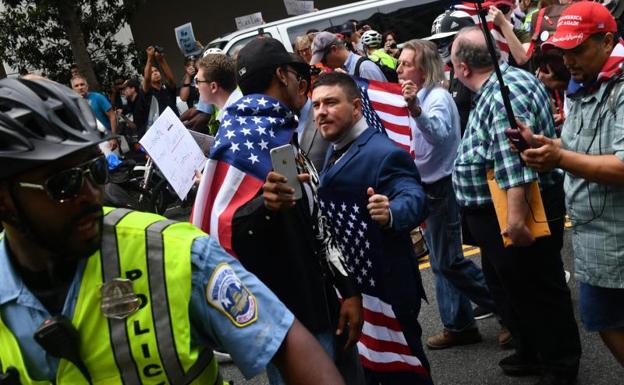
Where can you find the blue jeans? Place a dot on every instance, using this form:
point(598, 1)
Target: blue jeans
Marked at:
point(348, 363)
point(457, 280)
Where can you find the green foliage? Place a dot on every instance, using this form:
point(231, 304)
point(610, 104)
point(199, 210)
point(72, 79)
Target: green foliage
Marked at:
point(33, 37)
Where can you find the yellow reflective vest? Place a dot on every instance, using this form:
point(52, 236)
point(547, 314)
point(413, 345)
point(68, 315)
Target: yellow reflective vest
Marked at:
point(381, 55)
point(153, 344)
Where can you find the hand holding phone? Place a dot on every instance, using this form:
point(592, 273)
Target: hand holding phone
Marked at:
point(283, 160)
point(517, 139)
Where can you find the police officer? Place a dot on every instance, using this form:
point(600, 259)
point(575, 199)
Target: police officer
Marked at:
point(100, 295)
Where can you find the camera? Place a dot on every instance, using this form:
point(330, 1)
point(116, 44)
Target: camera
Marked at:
point(159, 49)
point(315, 71)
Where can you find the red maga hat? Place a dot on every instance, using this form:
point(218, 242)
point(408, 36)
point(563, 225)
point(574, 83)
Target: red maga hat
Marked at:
point(578, 22)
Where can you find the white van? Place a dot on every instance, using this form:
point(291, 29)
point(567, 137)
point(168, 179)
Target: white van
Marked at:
point(409, 19)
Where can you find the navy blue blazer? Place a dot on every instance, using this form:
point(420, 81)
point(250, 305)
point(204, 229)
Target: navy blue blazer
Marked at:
point(373, 160)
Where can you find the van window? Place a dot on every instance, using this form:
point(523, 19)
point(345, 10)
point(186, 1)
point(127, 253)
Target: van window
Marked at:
point(233, 50)
point(403, 21)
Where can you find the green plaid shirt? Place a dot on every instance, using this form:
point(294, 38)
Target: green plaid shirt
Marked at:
point(596, 210)
point(485, 145)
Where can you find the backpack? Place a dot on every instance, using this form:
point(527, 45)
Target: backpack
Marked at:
point(388, 72)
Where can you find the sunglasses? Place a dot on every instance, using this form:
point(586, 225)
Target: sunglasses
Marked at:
point(66, 185)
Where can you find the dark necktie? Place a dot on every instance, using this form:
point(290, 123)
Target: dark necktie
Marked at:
point(338, 153)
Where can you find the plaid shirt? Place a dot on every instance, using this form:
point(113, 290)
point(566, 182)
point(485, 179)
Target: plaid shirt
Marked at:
point(485, 145)
point(596, 210)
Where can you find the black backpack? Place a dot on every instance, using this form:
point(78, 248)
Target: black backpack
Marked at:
point(388, 72)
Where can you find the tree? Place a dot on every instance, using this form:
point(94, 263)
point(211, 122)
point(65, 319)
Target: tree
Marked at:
point(50, 35)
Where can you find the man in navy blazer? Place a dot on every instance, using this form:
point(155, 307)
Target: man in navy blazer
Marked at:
point(365, 164)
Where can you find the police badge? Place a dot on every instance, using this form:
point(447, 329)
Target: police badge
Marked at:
point(226, 293)
point(118, 299)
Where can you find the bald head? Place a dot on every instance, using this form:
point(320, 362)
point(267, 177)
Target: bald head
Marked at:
point(470, 48)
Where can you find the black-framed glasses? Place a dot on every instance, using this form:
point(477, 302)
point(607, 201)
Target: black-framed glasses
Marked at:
point(297, 74)
point(66, 185)
point(304, 51)
point(198, 81)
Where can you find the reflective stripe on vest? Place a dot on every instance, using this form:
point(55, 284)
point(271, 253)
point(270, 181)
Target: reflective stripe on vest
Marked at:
point(386, 59)
point(152, 345)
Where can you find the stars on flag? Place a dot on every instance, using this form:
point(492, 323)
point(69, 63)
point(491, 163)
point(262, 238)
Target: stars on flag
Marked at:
point(350, 229)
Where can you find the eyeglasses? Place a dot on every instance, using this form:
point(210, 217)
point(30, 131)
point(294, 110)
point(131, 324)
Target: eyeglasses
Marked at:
point(66, 185)
point(198, 81)
point(297, 74)
point(304, 51)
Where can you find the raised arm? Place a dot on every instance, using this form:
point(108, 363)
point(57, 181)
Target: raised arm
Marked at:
point(164, 66)
point(147, 71)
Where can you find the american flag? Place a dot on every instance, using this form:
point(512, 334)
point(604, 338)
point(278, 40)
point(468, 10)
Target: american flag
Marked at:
point(613, 65)
point(239, 162)
point(472, 10)
point(382, 346)
point(385, 109)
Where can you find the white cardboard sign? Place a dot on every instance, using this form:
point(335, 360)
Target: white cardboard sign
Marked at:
point(174, 151)
point(253, 20)
point(298, 7)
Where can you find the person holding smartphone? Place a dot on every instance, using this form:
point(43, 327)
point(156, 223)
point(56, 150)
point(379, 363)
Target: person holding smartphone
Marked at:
point(279, 238)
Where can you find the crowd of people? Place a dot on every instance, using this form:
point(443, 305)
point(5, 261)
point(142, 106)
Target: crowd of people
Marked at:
point(315, 276)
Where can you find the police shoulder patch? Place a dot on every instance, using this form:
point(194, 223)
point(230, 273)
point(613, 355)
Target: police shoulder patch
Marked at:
point(226, 293)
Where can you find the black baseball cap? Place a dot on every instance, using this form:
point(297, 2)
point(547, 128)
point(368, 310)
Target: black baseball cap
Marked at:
point(262, 55)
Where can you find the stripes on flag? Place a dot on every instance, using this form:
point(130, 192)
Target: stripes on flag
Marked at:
point(497, 34)
point(384, 108)
point(382, 346)
point(239, 162)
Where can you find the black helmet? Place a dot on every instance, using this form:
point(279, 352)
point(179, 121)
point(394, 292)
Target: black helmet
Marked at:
point(41, 121)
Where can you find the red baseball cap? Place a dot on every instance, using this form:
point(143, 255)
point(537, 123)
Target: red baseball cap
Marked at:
point(578, 22)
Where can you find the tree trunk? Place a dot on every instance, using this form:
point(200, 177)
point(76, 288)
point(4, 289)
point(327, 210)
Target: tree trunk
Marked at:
point(3, 73)
point(70, 20)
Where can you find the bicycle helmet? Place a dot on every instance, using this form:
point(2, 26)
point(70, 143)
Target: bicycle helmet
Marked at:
point(42, 121)
point(211, 51)
point(371, 39)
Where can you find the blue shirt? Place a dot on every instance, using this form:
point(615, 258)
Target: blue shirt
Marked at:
point(251, 347)
point(436, 134)
point(368, 69)
point(304, 115)
point(100, 106)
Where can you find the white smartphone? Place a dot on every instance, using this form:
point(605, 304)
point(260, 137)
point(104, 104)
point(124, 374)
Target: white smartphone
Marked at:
point(283, 160)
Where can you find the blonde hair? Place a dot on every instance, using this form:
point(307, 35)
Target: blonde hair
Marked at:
point(428, 60)
point(301, 41)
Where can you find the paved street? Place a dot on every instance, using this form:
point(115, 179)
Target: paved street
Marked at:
point(477, 364)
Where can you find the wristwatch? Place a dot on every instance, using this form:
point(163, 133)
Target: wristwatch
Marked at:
point(415, 112)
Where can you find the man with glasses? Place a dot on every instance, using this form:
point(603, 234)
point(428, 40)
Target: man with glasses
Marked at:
point(332, 52)
point(126, 297)
point(278, 238)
